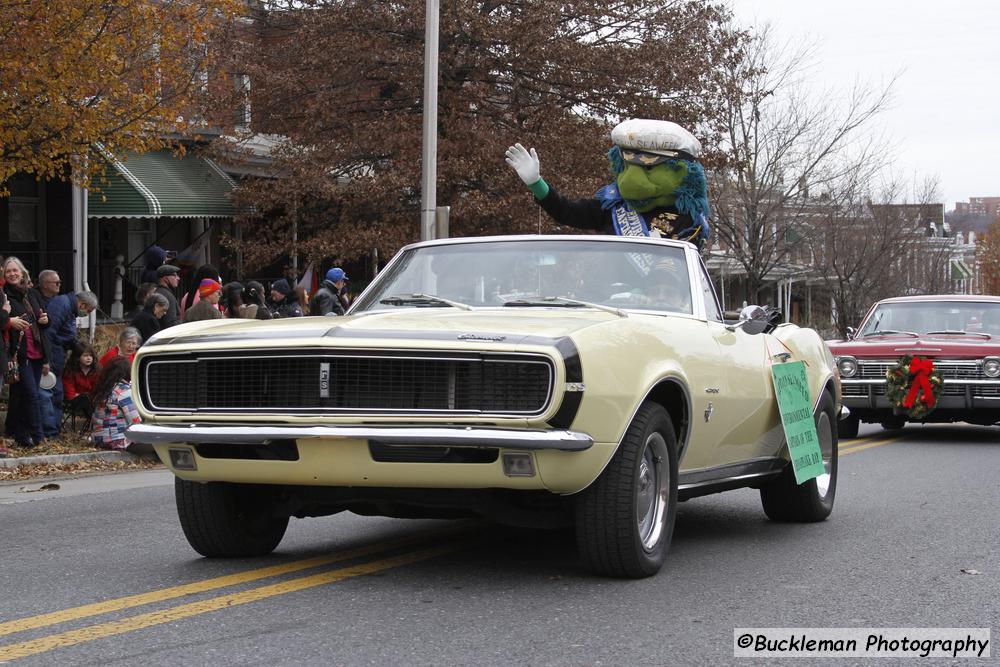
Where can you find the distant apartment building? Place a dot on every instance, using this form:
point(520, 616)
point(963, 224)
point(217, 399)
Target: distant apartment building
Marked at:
point(987, 207)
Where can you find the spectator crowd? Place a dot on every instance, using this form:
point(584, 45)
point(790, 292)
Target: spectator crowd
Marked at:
point(52, 374)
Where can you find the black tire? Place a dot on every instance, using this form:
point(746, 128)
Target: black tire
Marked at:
point(784, 500)
point(614, 536)
point(848, 428)
point(893, 423)
point(223, 520)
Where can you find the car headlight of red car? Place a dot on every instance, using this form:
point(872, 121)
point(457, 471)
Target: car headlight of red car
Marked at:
point(991, 367)
point(848, 366)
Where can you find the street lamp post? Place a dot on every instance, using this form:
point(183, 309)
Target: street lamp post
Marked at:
point(428, 191)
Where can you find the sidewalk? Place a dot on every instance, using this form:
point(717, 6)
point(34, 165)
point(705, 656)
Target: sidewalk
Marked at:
point(65, 459)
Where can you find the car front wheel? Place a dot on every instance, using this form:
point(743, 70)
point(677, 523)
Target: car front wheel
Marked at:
point(625, 519)
point(785, 500)
point(228, 520)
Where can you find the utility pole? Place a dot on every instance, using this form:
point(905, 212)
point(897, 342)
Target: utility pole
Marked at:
point(428, 190)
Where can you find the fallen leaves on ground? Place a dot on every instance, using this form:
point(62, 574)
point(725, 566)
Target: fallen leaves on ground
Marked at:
point(66, 443)
point(26, 472)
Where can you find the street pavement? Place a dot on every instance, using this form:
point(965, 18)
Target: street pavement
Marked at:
point(99, 572)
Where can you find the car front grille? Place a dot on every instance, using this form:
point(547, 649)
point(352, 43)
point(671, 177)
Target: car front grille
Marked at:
point(870, 369)
point(955, 372)
point(349, 382)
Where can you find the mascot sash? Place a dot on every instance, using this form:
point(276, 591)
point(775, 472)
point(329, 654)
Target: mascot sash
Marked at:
point(630, 223)
point(627, 222)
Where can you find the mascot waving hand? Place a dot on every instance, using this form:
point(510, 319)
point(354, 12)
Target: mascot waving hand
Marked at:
point(659, 189)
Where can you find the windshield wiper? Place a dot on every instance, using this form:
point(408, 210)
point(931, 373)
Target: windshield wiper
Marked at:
point(958, 332)
point(564, 302)
point(408, 299)
point(889, 332)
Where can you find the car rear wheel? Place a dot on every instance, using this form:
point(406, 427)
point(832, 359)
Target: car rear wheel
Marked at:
point(784, 500)
point(625, 519)
point(223, 520)
point(848, 428)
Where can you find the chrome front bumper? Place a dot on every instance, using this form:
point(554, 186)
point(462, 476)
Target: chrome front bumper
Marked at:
point(411, 436)
point(959, 394)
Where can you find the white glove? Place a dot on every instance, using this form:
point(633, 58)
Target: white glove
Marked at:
point(525, 163)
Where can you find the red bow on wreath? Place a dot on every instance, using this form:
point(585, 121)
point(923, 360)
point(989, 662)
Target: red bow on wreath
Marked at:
point(921, 370)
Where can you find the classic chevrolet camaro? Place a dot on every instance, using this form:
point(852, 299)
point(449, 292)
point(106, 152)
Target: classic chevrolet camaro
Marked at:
point(959, 333)
point(581, 381)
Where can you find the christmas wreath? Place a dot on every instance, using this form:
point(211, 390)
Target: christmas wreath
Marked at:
point(913, 386)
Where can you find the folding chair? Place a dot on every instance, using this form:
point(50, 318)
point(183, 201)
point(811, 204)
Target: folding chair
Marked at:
point(80, 407)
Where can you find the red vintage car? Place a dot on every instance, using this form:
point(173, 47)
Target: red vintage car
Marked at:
point(959, 333)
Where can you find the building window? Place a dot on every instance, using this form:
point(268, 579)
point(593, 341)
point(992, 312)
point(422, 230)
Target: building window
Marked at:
point(22, 207)
point(23, 221)
point(242, 84)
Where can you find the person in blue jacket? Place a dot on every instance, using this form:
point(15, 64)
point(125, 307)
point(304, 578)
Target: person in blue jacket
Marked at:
point(62, 309)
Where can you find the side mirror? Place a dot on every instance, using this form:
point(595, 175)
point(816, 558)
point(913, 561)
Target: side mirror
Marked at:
point(753, 313)
point(753, 320)
point(851, 331)
point(754, 327)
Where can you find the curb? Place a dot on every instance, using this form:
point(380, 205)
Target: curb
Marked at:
point(60, 459)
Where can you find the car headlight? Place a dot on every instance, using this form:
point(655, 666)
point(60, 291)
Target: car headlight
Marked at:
point(848, 366)
point(991, 367)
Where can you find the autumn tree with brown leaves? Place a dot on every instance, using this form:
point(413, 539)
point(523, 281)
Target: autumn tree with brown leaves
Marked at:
point(75, 74)
point(343, 80)
point(988, 258)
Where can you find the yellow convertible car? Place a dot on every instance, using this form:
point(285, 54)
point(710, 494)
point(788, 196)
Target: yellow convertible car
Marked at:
point(586, 381)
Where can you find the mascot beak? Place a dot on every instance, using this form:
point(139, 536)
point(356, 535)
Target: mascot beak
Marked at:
point(634, 183)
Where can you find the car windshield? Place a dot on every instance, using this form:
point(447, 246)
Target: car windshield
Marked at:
point(945, 318)
point(536, 273)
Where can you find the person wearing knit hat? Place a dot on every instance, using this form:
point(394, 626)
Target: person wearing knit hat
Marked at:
point(207, 308)
point(284, 300)
point(208, 287)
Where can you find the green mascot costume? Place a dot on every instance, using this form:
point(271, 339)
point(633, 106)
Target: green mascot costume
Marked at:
point(659, 188)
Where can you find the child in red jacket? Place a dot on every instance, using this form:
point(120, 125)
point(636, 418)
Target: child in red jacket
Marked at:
point(81, 373)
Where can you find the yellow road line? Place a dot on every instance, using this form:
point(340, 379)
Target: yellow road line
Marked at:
point(130, 601)
point(867, 444)
point(150, 619)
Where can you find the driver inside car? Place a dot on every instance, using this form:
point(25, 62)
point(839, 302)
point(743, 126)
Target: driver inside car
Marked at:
point(667, 288)
point(991, 321)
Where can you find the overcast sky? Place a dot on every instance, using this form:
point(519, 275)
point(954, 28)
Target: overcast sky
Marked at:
point(945, 116)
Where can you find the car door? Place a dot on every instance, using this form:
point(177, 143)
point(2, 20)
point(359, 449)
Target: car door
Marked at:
point(744, 414)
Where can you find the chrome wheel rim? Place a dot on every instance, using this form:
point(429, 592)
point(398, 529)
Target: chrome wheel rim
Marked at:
point(825, 434)
point(652, 484)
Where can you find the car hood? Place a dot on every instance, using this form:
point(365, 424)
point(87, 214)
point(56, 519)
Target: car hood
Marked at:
point(952, 347)
point(508, 325)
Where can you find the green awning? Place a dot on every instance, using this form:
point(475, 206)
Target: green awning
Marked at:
point(160, 185)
